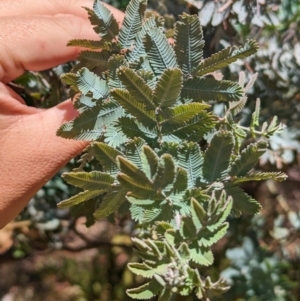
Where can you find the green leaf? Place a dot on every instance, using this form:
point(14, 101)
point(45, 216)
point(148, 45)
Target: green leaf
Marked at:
point(217, 156)
point(168, 88)
point(111, 202)
point(103, 20)
point(199, 215)
point(106, 155)
point(145, 271)
point(94, 59)
point(242, 202)
point(132, 22)
point(181, 181)
point(226, 56)
point(136, 86)
point(113, 136)
point(165, 172)
point(261, 176)
point(131, 170)
point(137, 189)
point(165, 295)
point(237, 106)
point(149, 161)
point(83, 103)
point(189, 42)
point(131, 128)
point(91, 124)
point(86, 43)
point(247, 159)
point(70, 79)
point(191, 159)
point(139, 48)
point(134, 107)
point(114, 63)
point(197, 127)
point(79, 198)
point(160, 54)
point(255, 115)
point(133, 149)
point(94, 180)
point(181, 114)
point(201, 256)
point(89, 83)
point(208, 238)
point(207, 89)
point(144, 292)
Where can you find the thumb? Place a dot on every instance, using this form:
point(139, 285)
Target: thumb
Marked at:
point(31, 154)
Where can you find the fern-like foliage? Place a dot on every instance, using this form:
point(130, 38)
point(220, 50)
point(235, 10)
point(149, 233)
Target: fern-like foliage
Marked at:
point(145, 105)
point(225, 57)
point(189, 43)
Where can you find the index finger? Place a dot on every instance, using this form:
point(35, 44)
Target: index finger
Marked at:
point(51, 8)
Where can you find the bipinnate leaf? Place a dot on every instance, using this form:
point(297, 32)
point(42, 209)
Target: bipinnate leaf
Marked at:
point(184, 251)
point(201, 256)
point(237, 106)
point(149, 161)
point(93, 59)
point(242, 202)
point(89, 83)
point(142, 269)
point(255, 115)
point(80, 198)
point(165, 172)
point(165, 295)
point(106, 155)
point(130, 169)
point(139, 47)
point(114, 137)
point(135, 188)
point(91, 124)
point(70, 79)
point(160, 54)
point(146, 291)
point(207, 89)
point(111, 202)
point(180, 115)
point(191, 159)
point(195, 128)
point(86, 43)
point(134, 107)
point(83, 103)
point(247, 159)
point(132, 128)
point(168, 88)
point(199, 215)
point(208, 238)
point(132, 22)
point(189, 42)
point(113, 64)
point(261, 176)
point(217, 156)
point(225, 57)
point(104, 21)
point(136, 86)
point(94, 180)
point(181, 181)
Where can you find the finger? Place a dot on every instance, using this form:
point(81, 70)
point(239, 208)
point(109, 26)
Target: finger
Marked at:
point(51, 7)
point(39, 42)
point(40, 154)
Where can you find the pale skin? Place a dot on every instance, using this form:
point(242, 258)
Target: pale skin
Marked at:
point(33, 36)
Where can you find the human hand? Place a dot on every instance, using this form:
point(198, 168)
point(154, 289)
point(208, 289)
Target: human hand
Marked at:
point(33, 36)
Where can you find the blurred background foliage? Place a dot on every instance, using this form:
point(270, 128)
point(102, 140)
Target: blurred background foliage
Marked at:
point(49, 254)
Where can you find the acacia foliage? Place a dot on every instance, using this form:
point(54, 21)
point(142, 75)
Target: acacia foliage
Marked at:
point(145, 105)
